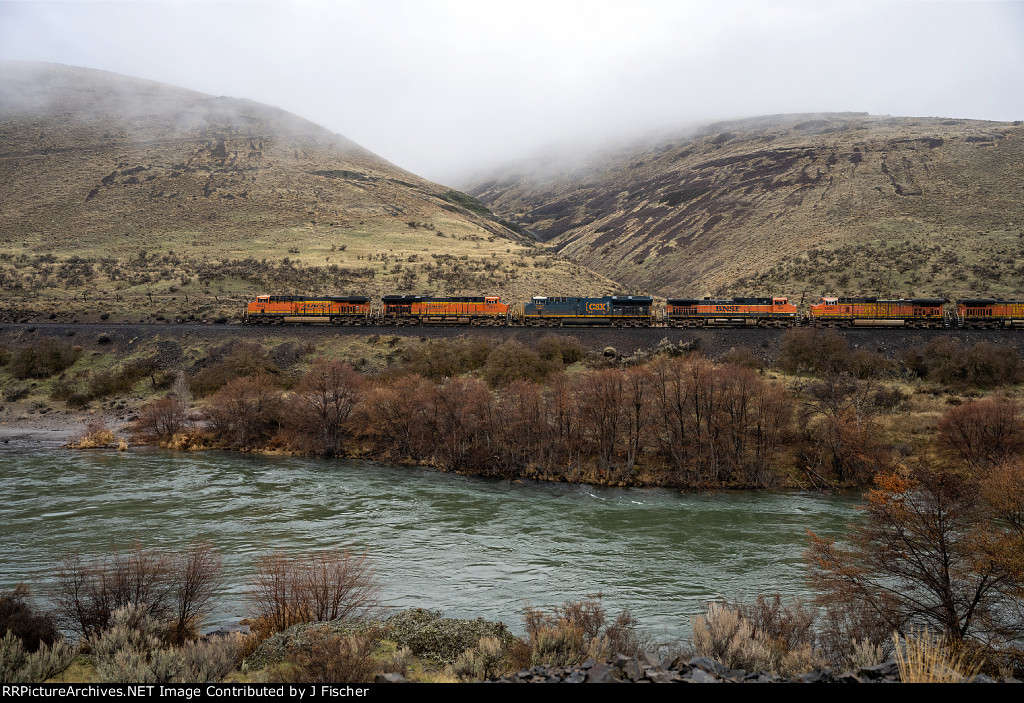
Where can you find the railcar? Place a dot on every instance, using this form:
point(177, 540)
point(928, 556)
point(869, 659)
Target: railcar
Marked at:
point(731, 312)
point(878, 312)
point(427, 310)
point(347, 310)
point(989, 312)
point(616, 310)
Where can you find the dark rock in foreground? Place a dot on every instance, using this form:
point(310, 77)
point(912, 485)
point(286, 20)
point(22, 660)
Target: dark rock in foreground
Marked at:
point(647, 668)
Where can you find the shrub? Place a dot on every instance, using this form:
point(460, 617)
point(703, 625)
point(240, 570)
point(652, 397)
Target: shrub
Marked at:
point(763, 636)
point(161, 419)
point(513, 361)
point(578, 629)
point(813, 350)
point(240, 360)
point(429, 635)
point(724, 635)
point(19, 616)
point(121, 381)
point(982, 432)
point(480, 663)
point(318, 410)
point(743, 356)
point(984, 365)
point(130, 650)
point(331, 585)
point(43, 359)
point(171, 587)
point(558, 348)
point(446, 358)
point(924, 658)
point(96, 434)
point(244, 413)
point(20, 666)
point(61, 390)
point(330, 658)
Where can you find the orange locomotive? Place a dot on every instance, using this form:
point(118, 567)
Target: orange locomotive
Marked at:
point(731, 312)
point(876, 312)
point(987, 312)
point(350, 310)
point(423, 309)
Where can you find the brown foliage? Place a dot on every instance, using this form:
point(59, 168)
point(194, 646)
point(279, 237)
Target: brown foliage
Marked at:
point(318, 411)
point(195, 577)
point(513, 361)
point(19, 615)
point(555, 347)
point(933, 552)
point(718, 423)
point(240, 360)
point(43, 358)
point(813, 350)
point(984, 365)
point(161, 419)
point(171, 587)
point(446, 358)
point(331, 585)
point(578, 629)
point(982, 432)
point(392, 417)
point(245, 413)
point(326, 657)
point(840, 442)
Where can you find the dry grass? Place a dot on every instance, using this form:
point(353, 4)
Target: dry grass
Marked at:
point(246, 181)
point(96, 435)
point(926, 658)
point(795, 204)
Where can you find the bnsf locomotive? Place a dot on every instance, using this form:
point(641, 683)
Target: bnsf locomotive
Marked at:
point(877, 312)
point(734, 312)
point(637, 311)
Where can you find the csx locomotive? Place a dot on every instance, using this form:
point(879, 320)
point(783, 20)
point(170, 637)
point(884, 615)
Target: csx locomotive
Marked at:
point(636, 311)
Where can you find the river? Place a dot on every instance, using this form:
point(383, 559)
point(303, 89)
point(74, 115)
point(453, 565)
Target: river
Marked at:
point(468, 546)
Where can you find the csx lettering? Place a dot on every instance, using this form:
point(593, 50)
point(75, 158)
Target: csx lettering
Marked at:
point(597, 307)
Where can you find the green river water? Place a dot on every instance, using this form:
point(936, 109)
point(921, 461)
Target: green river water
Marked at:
point(468, 546)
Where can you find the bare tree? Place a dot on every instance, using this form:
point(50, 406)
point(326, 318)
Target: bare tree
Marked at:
point(196, 577)
point(322, 403)
point(331, 585)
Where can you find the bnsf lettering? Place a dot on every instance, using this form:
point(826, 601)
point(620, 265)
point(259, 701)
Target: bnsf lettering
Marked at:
point(727, 308)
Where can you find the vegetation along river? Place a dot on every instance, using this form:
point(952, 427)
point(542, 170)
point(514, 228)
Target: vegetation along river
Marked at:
point(468, 546)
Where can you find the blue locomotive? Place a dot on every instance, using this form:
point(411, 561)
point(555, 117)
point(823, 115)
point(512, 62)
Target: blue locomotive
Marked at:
point(616, 310)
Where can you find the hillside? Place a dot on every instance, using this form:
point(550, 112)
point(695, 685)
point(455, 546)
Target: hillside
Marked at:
point(139, 199)
point(800, 204)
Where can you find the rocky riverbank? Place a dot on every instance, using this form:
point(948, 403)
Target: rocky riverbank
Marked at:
point(648, 668)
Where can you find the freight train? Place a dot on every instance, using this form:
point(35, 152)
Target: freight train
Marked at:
point(636, 311)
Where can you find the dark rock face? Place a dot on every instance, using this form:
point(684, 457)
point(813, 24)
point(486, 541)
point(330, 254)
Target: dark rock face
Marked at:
point(647, 668)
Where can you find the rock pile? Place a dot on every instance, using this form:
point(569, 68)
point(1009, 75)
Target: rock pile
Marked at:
point(648, 668)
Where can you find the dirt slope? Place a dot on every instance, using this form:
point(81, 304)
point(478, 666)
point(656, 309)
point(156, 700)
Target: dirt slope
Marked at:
point(802, 204)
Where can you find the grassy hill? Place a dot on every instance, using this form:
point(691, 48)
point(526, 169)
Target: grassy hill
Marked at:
point(799, 204)
point(142, 201)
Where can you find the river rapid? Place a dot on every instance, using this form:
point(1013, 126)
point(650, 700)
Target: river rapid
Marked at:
point(470, 547)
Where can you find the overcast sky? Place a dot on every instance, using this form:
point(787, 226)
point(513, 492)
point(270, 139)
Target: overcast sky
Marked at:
point(443, 88)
